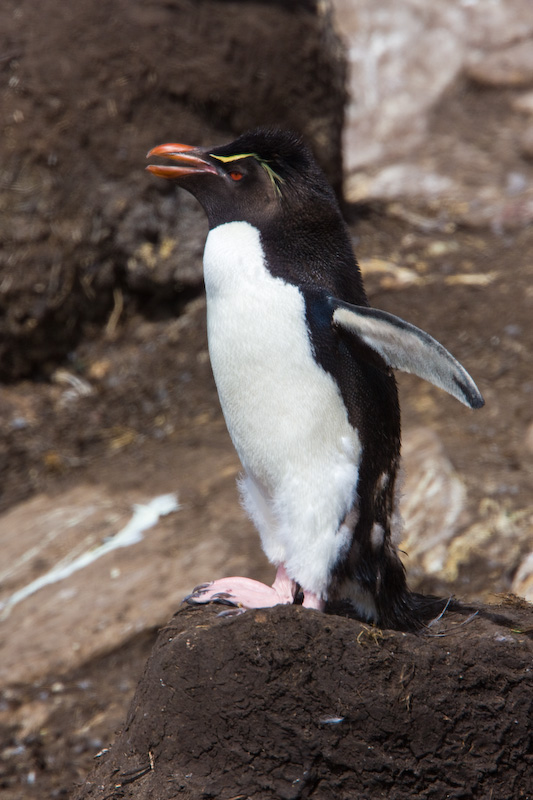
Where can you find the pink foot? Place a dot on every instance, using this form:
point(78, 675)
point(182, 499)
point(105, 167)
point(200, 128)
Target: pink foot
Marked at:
point(246, 592)
point(313, 601)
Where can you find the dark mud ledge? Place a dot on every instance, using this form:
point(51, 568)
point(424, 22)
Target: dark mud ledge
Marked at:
point(289, 703)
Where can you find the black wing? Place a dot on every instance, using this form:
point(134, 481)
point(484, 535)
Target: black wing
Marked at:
point(402, 346)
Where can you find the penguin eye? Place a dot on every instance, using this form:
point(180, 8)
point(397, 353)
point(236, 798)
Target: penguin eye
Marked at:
point(236, 176)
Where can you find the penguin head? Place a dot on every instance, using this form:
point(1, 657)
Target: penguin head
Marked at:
point(262, 174)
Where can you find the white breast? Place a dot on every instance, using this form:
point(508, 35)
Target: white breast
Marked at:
point(284, 413)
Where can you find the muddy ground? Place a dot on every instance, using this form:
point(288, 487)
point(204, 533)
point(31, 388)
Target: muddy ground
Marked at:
point(309, 706)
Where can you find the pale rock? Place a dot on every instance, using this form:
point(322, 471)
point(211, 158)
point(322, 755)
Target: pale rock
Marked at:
point(494, 544)
point(523, 580)
point(432, 505)
point(398, 180)
point(55, 623)
point(48, 626)
point(406, 60)
point(493, 23)
point(511, 67)
point(523, 103)
point(401, 57)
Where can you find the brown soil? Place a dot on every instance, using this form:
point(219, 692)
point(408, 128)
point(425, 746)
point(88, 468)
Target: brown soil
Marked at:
point(302, 705)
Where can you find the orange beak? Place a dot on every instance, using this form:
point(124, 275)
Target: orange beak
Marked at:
point(190, 159)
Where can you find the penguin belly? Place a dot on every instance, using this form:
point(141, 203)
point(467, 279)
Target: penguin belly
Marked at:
point(284, 412)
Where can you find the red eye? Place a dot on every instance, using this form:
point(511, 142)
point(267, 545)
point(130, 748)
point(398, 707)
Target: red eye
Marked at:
point(235, 176)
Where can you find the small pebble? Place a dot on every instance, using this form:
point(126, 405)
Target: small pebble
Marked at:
point(513, 330)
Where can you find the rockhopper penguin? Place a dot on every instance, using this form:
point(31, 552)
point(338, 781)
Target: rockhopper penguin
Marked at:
point(303, 367)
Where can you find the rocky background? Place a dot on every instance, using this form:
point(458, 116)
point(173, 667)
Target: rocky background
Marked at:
point(117, 475)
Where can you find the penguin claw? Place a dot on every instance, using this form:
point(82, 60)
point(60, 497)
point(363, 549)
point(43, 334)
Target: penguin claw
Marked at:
point(236, 611)
point(202, 587)
point(224, 599)
point(197, 592)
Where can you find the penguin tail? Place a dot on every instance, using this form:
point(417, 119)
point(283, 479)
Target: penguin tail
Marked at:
point(377, 592)
point(396, 605)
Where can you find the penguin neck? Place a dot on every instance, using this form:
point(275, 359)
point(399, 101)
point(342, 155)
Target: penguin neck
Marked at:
point(314, 252)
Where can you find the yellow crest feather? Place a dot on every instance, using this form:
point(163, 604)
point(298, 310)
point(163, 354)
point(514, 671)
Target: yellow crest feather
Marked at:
point(272, 174)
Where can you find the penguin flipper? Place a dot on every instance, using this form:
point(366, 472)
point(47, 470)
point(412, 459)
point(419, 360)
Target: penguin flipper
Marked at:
point(405, 347)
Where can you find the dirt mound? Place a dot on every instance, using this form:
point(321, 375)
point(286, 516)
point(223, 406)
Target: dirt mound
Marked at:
point(84, 229)
point(292, 704)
